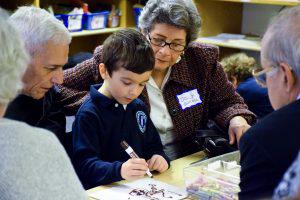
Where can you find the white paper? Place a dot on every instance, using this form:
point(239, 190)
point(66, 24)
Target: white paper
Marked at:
point(189, 99)
point(98, 22)
point(231, 36)
point(74, 22)
point(147, 188)
point(222, 37)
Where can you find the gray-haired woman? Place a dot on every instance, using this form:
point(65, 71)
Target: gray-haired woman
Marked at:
point(188, 86)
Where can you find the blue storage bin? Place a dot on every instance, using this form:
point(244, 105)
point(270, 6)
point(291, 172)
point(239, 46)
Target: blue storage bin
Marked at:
point(137, 11)
point(94, 21)
point(73, 22)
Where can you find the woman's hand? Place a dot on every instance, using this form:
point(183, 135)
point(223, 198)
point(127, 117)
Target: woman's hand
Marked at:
point(158, 163)
point(237, 127)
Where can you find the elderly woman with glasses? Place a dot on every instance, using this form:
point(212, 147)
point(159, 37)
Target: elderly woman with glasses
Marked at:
point(187, 87)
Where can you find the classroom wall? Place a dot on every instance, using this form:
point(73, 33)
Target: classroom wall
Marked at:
point(256, 18)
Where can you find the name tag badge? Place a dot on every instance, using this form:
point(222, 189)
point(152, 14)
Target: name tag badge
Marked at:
point(189, 99)
point(69, 123)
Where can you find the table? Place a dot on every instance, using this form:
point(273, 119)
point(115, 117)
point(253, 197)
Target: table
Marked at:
point(173, 176)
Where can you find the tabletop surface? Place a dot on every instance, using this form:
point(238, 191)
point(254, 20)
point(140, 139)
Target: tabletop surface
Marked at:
point(173, 176)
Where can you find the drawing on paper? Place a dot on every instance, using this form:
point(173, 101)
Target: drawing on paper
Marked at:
point(154, 193)
point(143, 189)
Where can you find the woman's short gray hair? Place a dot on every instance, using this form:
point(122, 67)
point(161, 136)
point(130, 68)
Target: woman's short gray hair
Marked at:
point(179, 13)
point(37, 27)
point(283, 44)
point(13, 60)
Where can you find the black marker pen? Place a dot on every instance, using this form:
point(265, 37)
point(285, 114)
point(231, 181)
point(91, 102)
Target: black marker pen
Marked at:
point(132, 154)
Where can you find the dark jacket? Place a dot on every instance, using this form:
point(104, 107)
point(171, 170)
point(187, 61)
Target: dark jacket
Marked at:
point(267, 150)
point(256, 97)
point(198, 69)
point(100, 126)
point(44, 113)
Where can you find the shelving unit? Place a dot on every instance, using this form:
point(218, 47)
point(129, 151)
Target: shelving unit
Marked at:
point(226, 16)
point(253, 44)
point(85, 40)
point(270, 2)
point(218, 16)
point(94, 32)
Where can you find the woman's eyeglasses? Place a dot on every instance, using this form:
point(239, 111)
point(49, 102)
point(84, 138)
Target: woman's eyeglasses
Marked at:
point(161, 43)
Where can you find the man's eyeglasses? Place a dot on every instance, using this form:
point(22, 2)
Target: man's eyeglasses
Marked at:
point(161, 43)
point(261, 75)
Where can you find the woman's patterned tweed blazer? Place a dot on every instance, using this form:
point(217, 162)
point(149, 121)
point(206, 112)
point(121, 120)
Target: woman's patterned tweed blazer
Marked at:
point(198, 69)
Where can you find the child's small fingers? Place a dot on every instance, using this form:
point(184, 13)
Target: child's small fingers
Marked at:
point(164, 166)
point(151, 163)
point(160, 166)
point(137, 173)
point(156, 164)
point(138, 161)
point(141, 167)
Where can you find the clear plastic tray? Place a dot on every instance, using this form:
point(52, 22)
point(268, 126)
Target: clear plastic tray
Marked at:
point(215, 178)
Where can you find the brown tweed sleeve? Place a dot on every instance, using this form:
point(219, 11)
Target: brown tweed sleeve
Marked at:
point(225, 103)
point(77, 82)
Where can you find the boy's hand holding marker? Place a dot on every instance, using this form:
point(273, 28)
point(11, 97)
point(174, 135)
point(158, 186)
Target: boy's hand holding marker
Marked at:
point(136, 167)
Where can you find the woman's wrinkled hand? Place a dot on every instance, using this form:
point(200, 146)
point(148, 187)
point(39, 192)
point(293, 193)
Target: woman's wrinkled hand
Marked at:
point(237, 127)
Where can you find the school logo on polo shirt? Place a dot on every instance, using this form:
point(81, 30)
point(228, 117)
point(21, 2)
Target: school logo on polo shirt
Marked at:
point(141, 119)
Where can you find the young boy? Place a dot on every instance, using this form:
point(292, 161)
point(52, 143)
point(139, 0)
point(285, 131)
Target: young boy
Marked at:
point(112, 114)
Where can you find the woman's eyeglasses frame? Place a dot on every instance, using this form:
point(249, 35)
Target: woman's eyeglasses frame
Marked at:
point(163, 43)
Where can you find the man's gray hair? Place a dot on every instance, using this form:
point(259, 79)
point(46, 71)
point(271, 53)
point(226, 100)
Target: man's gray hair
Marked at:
point(283, 45)
point(13, 60)
point(179, 13)
point(37, 27)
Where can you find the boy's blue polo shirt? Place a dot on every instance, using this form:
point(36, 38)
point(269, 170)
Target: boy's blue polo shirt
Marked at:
point(100, 126)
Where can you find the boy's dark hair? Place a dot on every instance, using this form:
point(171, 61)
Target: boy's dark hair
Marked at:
point(129, 49)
